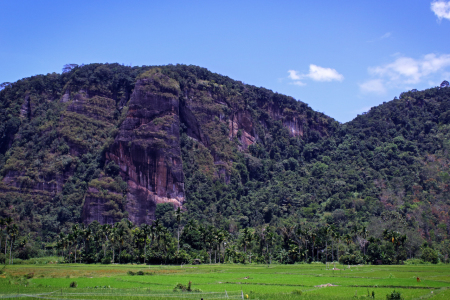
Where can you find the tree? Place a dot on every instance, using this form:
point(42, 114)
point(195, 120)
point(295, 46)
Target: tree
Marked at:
point(270, 241)
point(4, 84)
point(105, 232)
point(178, 217)
point(68, 67)
point(444, 84)
point(146, 230)
point(7, 222)
point(75, 235)
point(13, 232)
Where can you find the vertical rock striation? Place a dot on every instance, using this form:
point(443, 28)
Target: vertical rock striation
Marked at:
point(147, 147)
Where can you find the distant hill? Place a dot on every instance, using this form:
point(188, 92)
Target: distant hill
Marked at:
point(105, 142)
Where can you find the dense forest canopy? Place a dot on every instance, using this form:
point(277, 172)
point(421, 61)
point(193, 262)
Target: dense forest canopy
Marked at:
point(264, 175)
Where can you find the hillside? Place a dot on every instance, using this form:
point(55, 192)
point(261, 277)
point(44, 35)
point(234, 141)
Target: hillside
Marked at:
point(103, 142)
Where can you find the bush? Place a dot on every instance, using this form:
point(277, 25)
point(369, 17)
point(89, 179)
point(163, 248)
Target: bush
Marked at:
point(73, 284)
point(430, 255)
point(297, 292)
point(351, 259)
point(106, 260)
point(131, 273)
point(140, 273)
point(414, 261)
point(394, 296)
point(181, 287)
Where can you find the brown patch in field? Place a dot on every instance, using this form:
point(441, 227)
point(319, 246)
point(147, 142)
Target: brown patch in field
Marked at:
point(72, 272)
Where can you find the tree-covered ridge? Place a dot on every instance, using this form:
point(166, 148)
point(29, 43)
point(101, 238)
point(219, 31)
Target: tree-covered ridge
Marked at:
point(251, 158)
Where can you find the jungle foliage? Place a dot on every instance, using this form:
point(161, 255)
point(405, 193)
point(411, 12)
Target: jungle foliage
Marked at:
point(370, 190)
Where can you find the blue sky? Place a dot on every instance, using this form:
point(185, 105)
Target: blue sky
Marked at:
point(340, 57)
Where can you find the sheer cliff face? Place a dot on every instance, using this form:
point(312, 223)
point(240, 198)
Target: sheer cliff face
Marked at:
point(147, 147)
point(56, 145)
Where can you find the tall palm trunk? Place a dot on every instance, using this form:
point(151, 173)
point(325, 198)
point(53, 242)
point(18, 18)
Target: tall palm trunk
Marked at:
point(145, 248)
point(332, 250)
point(337, 252)
point(10, 251)
point(306, 255)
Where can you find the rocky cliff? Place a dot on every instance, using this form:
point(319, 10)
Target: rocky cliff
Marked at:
point(147, 147)
point(104, 142)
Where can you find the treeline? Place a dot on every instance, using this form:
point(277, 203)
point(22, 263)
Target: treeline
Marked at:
point(191, 242)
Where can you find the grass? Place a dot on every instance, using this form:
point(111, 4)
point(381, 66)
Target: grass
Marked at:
point(256, 281)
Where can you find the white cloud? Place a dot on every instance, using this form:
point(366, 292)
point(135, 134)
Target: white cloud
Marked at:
point(407, 70)
point(316, 73)
point(441, 9)
point(373, 86)
point(298, 82)
point(293, 75)
point(323, 74)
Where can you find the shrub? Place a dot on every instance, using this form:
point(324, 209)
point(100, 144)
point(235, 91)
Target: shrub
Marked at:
point(140, 273)
point(73, 284)
point(414, 261)
point(430, 255)
point(106, 260)
point(394, 296)
point(181, 287)
point(297, 292)
point(131, 273)
point(351, 259)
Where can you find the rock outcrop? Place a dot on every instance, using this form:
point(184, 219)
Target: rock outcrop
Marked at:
point(147, 147)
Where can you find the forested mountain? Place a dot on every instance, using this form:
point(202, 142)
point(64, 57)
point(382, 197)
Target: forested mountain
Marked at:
point(104, 142)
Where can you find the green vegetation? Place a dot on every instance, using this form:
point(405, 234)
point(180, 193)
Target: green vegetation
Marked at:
point(301, 281)
point(267, 179)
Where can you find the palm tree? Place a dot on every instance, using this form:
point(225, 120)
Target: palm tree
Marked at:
point(86, 234)
point(2, 225)
point(13, 232)
point(146, 230)
point(334, 237)
point(221, 238)
point(313, 236)
point(364, 233)
point(75, 235)
point(105, 232)
point(348, 238)
point(113, 240)
point(178, 216)
point(246, 240)
point(7, 222)
point(270, 241)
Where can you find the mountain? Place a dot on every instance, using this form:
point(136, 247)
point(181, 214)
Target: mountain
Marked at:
point(102, 142)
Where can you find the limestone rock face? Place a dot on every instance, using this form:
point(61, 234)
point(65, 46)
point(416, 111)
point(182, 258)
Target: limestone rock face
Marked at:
point(147, 148)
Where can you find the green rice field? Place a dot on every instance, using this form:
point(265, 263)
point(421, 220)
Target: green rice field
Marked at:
point(229, 281)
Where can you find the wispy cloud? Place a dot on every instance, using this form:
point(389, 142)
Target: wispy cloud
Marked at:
point(441, 9)
point(384, 36)
point(373, 86)
point(406, 71)
point(316, 73)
